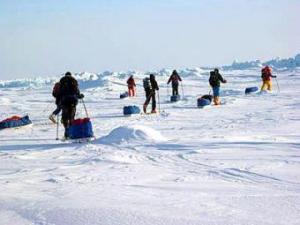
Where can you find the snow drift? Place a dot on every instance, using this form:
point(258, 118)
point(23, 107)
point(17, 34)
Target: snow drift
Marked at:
point(234, 164)
point(132, 133)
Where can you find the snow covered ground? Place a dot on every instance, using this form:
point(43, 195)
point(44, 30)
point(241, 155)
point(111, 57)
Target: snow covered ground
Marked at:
point(238, 163)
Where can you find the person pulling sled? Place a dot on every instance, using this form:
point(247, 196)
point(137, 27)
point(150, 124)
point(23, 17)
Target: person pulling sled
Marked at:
point(174, 78)
point(69, 95)
point(150, 86)
point(215, 80)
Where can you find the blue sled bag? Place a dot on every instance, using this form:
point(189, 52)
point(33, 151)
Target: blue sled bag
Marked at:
point(132, 109)
point(81, 128)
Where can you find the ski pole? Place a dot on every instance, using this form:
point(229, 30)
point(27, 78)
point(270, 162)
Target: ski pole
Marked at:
point(87, 115)
point(158, 101)
point(182, 89)
point(277, 84)
point(57, 126)
point(167, 90)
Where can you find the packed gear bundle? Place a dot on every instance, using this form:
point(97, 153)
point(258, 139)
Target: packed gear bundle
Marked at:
point(132, 109)
point(204, 100)
point(250, 90)
point(175, 98)
point(124, 95)
point(14, 122)
point(80, 128)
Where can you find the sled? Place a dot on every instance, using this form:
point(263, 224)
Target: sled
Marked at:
point(175, 98)
point(250, 90)
point(130, 110)
point(15, 122)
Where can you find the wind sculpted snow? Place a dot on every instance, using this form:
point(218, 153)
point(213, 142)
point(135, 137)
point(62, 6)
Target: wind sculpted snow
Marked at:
point(237, 163)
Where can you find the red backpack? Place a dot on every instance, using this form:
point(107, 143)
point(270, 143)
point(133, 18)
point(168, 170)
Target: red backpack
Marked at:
point(56, 90)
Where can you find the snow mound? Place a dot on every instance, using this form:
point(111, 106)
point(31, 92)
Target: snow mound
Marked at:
point(132, 133)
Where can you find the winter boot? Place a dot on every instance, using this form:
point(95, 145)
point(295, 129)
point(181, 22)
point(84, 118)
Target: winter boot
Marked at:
point(145, 108)
point(217, 100)
point(52, 118)
point(154, 111)
point(66, 135)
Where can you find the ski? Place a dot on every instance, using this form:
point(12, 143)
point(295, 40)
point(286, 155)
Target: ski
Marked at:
point(78, 140)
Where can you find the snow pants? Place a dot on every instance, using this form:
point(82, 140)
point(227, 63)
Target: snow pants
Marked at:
point(131, 91)
point(175, 88)
point(216, 94)
point(150, 95)
point(267, 84)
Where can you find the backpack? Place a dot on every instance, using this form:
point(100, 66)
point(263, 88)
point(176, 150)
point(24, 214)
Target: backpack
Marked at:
point(265, 72)
point(68, 86)
point(146, 83)
point(213, 79)
point(56, 90)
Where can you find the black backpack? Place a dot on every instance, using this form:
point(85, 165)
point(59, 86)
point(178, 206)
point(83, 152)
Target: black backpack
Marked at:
point(213, 79)
point(146, 83)
point(68, 86)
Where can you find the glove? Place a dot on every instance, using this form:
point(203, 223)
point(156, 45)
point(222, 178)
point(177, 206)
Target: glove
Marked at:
point(225, 81)
point(275, 76)
point(81, 96)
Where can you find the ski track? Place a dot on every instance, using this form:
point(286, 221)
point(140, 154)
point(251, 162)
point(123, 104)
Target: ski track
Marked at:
point(234, 164)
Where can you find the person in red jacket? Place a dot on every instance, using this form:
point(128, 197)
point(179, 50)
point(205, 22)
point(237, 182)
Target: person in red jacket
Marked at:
point(131, 86)
point(174, 78)
point(266, 75)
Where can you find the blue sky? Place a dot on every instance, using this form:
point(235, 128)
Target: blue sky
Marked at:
point(48, 37)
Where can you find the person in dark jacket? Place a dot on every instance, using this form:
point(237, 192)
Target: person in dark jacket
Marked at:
point(56, 95)
point(150, 86)
point(131, 86)
point(174, 78)
point(215, 80)
point(69, 95)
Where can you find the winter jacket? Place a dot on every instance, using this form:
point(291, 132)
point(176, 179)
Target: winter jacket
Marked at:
point(266, 74)
point(154, 85)
point(131, 82)
point(215, 79)
point(175, 78)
